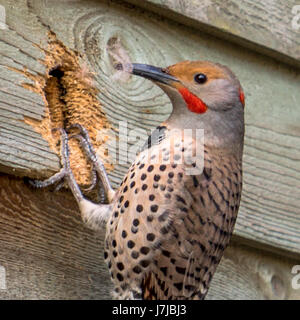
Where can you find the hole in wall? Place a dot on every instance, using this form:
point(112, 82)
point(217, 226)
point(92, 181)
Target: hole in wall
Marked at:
point(71, 96)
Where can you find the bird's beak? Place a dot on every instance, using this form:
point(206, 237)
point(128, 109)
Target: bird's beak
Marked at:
point(153, 73)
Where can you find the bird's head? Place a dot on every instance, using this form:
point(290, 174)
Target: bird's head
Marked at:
point(203, 85)
point(204, 95)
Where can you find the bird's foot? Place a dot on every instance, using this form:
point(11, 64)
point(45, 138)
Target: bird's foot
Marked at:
point(98, 167)
point(65, 173)
point(94, 215)
point(59, 176)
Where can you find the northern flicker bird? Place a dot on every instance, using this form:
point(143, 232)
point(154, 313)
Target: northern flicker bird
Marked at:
point(172, 217)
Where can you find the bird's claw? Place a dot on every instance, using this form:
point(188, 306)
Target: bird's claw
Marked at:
point(98, 167)
point(98, 170)
point(64, 171)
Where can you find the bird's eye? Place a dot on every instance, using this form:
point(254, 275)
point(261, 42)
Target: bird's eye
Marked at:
point(200, 78)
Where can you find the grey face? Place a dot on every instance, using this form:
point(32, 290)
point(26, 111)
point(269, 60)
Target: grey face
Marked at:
point(216, 86)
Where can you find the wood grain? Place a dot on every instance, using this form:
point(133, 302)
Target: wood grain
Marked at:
point(263, 26)
point(272, 166)
point(22, 50)
point(252, 274)
point(45, 249)
point(270, 211)
point(47, 253)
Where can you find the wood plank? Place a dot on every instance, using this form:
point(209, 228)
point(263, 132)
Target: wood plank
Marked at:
point(269, 27)
point(47, 253)
point(22, 150)
point(270, 211)
point(252, 274)
point(267, 142)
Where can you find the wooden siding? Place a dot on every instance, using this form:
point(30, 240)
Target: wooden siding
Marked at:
point(73, 36)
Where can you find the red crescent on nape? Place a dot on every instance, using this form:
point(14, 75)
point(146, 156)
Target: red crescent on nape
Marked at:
point(242, 97)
